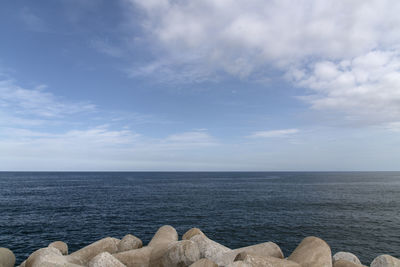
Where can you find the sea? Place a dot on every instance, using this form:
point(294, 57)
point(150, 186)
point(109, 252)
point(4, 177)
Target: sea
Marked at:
point(358, 212)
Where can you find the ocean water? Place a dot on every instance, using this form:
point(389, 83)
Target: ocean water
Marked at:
point(357, 212)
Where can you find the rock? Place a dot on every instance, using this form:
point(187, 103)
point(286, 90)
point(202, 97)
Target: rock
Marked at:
point(210, 249)
point(264, 249)
point(52, 264)
point(105, 259)
point(44, 256)
point(265, 261)
point(347, 256)
point(204, 263)
point(385, 261)
point(191, 233)
point(61, 246)
point(22, 264)
point(345, 263)
point(163, 239)
point(84, 255)
point(312, 252)
point(129, 242)
point(238, 264)
point(7, 258)
point(182, 253)
point(135, 258)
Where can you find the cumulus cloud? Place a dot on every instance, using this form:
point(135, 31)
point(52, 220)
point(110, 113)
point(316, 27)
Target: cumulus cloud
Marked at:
point(274, 133)
point(344, 52)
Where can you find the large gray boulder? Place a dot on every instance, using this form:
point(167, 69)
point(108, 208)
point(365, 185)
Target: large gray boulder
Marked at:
point(263, 249)
point(61, 246)
point(265, 261)
point(136, 257)
point(210, 249)
point(84, 255)
point(347, 256)
point(129, 242)
point(344, 263)
point(164, 238)
point(204, 263)
point(385, 261)
point(105, 259)
point(312, 252)
point(7, 258)
point(183, 253)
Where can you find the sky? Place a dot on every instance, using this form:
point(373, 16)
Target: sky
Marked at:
point(208, 85)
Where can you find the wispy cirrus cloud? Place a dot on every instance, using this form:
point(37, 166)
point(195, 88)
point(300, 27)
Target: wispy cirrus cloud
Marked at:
point(274, 133)
point(32, 21)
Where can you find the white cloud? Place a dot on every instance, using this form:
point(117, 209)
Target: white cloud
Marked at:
point(274, 133)
point(107, 48)
point(344, 52)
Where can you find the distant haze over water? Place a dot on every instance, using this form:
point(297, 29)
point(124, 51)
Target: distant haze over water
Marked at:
point(357, 212)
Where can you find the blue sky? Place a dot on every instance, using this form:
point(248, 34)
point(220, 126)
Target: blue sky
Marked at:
point(199, 85)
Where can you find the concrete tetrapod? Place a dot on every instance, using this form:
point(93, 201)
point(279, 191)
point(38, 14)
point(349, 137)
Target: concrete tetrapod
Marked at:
point(204, 263)
point(183, 253)
point(129, 242)
point(345, 263)
point(84, 255)
point(165, 237)
point(266, 261)
point(347, 256)
point(385, 261)
point(7, 257)
point(105, 259)
point(264, 249)
point(61, 246)
point(210, 249)
point(136, 257)
point(312, 252)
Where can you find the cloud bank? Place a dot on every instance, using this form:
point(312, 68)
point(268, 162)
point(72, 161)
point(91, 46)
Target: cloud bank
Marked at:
point(345, 53)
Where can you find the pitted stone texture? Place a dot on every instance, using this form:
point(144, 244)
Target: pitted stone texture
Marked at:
point(191, 233)
point(105, 259)
point(347, 256)
point(61, 246)
point(210, 249)
point(84, 255)
point(204, 263)
point(344, 263)
point(183, 253)
point(129, 242)
point(136, 257)
point(385, 261)
point(7, 258)
point(312, 252)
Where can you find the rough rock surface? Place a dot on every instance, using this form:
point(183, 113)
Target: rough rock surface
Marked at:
point(129, 242)
point(183, 253)
point(84, 255)
point(204, 263)
point(7, 258)
point(105, 259)
point(164, 238)
point(347, 256)
point(191, 233)
point(312, 252)
point(135, 258)
point(61, 246)
point(265, 261)
point(385, 261)
point(210, 249)
point(345, 263)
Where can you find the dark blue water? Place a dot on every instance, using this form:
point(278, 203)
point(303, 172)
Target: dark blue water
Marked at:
point(356, 212)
